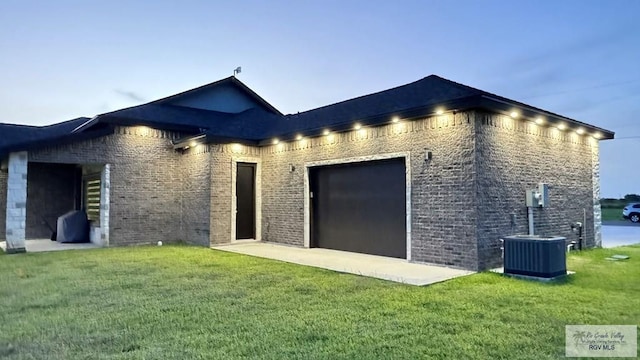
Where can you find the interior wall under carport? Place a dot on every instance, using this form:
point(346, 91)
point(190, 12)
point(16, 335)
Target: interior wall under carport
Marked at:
point(141, 182)
point(52, 191)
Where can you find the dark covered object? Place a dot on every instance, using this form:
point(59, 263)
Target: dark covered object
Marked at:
point(73, 227)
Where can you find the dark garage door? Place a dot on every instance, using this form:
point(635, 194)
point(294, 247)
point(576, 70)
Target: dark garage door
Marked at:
point(360, 207)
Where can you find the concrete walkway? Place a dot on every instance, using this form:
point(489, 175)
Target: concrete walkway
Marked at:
point(625, 234)
point(41, 245)
point(347, 262)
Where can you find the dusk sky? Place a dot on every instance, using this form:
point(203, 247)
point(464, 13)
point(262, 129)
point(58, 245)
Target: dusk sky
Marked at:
point(64, 59)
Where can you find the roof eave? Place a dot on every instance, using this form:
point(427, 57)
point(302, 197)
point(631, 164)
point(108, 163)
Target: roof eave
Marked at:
point(203, 138)
point(482, 101)
point(124, 121)
point(506, 106)
point(54, 141)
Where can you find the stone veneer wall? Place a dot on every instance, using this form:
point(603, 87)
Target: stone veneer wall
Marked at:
point(513, 156)
point(51, 192)
point(16, 201)
point(595, 181)
point(3, 204)
point(443, 223)
point(145, 181)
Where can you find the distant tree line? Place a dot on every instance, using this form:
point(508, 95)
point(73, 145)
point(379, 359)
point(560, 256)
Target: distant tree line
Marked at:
point(619, 203)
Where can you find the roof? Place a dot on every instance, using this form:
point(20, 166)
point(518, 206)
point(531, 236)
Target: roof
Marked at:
point(15, 136)
point(431, 90)
point(417, 99)
point(163, 114)
point(263, 122)
point(231, 80)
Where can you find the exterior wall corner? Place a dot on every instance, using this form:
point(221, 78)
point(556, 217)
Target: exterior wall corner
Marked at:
point(16, 206)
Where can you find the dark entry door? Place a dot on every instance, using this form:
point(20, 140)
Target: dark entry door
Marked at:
point(246, 201)
point(360, 207)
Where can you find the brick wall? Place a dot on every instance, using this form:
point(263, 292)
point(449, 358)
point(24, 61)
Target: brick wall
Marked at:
point(196, 194)
point(51, 192)
point(3, 204)
point(222, 157)
point(513, 156)
point(220, 201)
point(461, 200)
point(146, 181)
point(442, 193)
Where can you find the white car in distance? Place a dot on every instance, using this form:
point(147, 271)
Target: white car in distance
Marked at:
point(632, 212)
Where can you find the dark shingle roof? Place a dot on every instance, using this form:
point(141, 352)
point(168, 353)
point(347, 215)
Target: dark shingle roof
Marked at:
point(170, 117)
point(12, 135)
point(261, 123)
point(231, 80)
point(373, 108)
point(431, 90)
point(413, 100)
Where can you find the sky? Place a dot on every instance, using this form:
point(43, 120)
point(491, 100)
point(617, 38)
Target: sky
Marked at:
point(64, 59)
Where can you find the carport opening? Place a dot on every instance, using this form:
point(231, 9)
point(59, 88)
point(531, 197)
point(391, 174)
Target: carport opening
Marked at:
point(54, 190)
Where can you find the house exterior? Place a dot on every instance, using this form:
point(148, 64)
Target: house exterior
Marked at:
point(432, 172)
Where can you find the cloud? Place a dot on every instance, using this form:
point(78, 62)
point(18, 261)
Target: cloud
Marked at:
point(130, 95)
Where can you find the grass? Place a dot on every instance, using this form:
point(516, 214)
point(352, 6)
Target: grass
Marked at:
point(195, 303)
point(609, 214)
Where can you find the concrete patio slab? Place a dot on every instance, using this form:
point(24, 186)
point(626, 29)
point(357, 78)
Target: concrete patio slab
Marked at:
point(42, 245)
point(380, 267)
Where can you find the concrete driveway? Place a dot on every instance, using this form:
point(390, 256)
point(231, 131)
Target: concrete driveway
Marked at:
point(620, 233)
point(380, 267)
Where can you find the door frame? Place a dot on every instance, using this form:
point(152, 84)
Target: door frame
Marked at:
point(258, 195)
point(307, 200)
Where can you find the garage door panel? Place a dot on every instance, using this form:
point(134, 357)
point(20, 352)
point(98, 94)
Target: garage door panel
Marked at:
point(360, 207)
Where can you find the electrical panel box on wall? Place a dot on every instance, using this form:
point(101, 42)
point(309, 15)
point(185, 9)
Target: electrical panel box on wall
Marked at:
point(531, 200)
point(543, 195)
point(538, 197)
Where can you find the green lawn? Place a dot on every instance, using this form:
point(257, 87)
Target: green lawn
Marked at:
point(609, 214)
point(181, 302)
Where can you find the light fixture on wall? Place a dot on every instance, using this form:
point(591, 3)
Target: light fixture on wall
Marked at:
point(275, 141)
point(580, 131)
point(236, 148)
point(299, 137)
point(395, 119)
point(292, 168)
point(326, 132)
point(539, 121)
point(428, 155)
point(357, 126)
point(514, 114)
point(439, 111)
